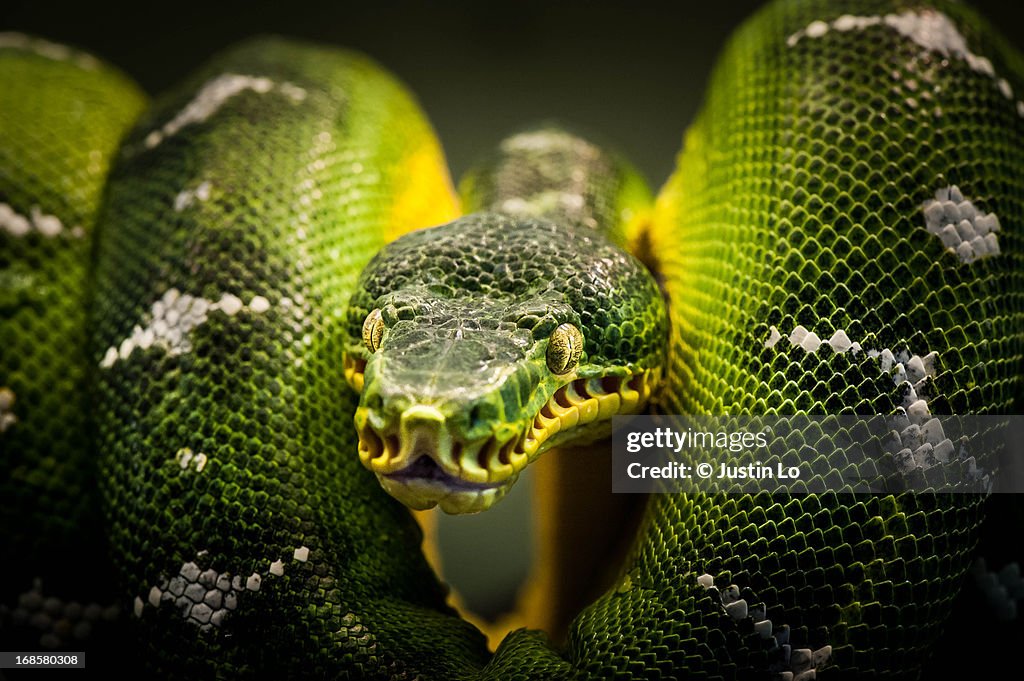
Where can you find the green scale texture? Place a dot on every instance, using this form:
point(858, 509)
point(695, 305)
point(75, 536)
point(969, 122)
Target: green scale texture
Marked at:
point(260, 393)
point(798, 200)
point(552, 173)
point(62, 115)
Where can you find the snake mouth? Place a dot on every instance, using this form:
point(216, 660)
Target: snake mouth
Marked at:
point(423, 484)
point(425, 469)
point(400, 451)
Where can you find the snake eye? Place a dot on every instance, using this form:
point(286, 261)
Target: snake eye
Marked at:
point(373, 330)
point(564, 349)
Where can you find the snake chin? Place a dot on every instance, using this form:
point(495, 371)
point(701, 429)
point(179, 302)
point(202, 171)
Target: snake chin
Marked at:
point(423, 484)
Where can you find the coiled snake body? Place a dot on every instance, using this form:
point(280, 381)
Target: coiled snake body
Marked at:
point(854, 181)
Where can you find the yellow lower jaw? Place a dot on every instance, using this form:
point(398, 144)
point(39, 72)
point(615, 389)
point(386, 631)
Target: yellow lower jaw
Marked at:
point(424, 496)
point(586, 401)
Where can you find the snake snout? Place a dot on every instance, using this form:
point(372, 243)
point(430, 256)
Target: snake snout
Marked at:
point(422, 437)
point(423, 433)
point(421, 464)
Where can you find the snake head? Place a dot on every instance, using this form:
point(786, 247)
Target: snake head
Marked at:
point(481, 344)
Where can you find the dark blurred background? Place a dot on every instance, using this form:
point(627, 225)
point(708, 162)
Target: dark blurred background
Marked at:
point(630, 76)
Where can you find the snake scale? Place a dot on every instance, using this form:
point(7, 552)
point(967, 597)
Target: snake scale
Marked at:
point(179, 324)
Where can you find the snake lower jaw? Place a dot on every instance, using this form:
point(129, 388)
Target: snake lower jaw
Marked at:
point(451, 494)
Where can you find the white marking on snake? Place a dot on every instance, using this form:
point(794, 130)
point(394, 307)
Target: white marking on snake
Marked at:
point(47, 49)
point(20, 225)
point(922, 443)
point(964, 229)
point(12, 222)
point(186, 459)
point(810, 342)
point(302, 554)
point(259, 304)
point(171, 321)
point(203, 597)
point(230, 304)
point(7, 416)
point(801, 662)
point(187, 197)
point(840, 343)
point(213, 95)
point(543, 202)
point(932, 30)
point(914, 370)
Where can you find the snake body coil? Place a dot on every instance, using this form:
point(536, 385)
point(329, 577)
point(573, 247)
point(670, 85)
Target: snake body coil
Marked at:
point(840, 236)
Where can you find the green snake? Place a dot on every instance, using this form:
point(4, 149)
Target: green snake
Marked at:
point(185, 313)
